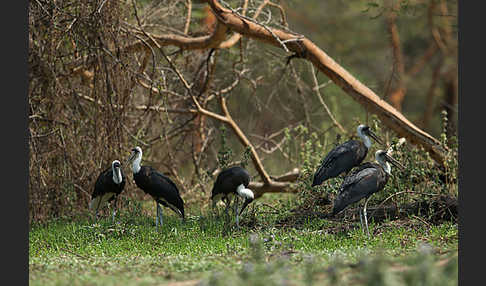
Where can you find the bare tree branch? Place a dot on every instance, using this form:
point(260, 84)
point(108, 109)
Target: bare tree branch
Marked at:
point(429, 104)
point(365, 96)
point(188, 17)
point(321, 100)
point(398, 94)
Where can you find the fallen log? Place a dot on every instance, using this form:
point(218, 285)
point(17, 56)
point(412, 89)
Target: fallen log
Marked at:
point(434, 211)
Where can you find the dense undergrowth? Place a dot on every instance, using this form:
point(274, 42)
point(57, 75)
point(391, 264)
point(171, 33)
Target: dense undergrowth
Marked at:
point(423, 179)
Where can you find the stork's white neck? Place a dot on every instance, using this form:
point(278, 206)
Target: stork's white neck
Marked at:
point(244, 192)
point(117, 177)
point(136, 163)
point(365, 138)
point(386, 166)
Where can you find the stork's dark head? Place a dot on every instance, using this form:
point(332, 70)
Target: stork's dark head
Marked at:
point(116, 164)
point(383, 158)
point(365, 130)
point(136, 152)
point(115, 167)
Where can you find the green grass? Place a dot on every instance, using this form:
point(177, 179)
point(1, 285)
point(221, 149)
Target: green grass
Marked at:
point(205, 250)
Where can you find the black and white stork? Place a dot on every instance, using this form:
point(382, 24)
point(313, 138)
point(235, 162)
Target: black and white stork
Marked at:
point(154, 183)
point(108, 186)
point(230, 182)
point(345, 156)
point(363, 181)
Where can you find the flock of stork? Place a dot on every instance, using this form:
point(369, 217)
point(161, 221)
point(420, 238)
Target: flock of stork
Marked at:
point(361, 180)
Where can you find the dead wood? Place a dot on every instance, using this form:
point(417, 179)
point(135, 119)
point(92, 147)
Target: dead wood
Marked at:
point(348, 83)
point(303, 48)
point(434, 210)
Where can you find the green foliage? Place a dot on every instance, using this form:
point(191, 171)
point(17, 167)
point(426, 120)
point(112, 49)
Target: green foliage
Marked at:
point(245, 157)
point(423, 178)
point(306, 152)
point(225, 153)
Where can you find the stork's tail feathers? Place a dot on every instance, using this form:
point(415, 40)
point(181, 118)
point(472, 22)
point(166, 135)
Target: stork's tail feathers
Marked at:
point(333, 213)
point(94, 202)
point(100, 200)
point(318, 180)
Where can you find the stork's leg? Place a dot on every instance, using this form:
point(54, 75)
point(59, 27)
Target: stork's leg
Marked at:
point(97, 211)
point(157, 216)
point(366, 219)
point(236, 212)
point(361, 218)
point(114, 210)
point(214, 210)
point(227, 204)
point(159, 213)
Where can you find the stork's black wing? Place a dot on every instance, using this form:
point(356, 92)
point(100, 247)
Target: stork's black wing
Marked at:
point(352, 176)
point(340, 159)
point(164, 191)
point(106, 189)
point(103, 180)
point(104, 184)
point(229, 179)
point(165, 178)
point(363, 182)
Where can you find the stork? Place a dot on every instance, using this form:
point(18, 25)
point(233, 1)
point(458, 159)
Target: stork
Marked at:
point(363, 181)
point(230, 182)
point(160, 187)
point(108, 186)
point(345, 156)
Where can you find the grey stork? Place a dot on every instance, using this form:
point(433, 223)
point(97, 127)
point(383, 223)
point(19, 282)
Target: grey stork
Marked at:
point(108, 186)
point(231, 182)
point(154, 183)
point(363, 181)
point(345, 156)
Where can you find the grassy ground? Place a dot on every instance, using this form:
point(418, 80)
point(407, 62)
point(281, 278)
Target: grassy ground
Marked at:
point(206, 250)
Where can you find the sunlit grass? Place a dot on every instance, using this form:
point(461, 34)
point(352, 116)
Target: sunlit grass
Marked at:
point(82, 252)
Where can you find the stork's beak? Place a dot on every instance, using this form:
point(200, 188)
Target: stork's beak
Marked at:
point(130, 158)
point(394, 162)
point(247, 201)
point(375, 137)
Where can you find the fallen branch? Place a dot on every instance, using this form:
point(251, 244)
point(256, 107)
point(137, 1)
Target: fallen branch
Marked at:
point(260, 188)
point(361, 93)
point(304, 48)
point(434, 210)
point(438, 209)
